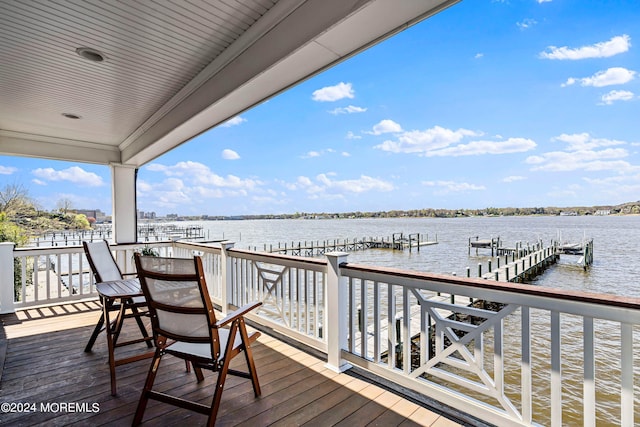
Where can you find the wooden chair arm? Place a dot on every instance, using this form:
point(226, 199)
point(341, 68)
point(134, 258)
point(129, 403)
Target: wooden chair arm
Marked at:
point(236, 314)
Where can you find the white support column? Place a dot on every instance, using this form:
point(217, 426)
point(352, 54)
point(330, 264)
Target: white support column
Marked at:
point(226, 276)
point(336, 312)
point(123, 196)
point(6, 278)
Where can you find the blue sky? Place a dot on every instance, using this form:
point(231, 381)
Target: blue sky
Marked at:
point(513, 103)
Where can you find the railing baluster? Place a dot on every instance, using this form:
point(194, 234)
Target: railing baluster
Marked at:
point(316, 305)
point(589, 387)
point(376, 322)
point(23, 285)
point(47, 269)
point(364, 309)
point(391, 327)
point(556, 374)
point(626, 337)
point(498, 358)
point(406, 332)
point(352, 316)
point(70, 273)
point(309, 300)
point(525, 365)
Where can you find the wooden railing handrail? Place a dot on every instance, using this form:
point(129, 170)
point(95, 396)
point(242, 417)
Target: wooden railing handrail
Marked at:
point(516, 288)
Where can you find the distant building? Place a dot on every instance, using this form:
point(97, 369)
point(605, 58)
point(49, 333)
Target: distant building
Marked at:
point(603, 212)
point(93, 213)
point(146, 215)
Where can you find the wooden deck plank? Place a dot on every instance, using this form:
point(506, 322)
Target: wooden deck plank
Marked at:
point(45, 364)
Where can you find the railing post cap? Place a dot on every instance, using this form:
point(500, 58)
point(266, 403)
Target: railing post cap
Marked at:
point(337, 254)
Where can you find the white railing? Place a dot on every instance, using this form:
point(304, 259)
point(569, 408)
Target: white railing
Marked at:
point(55, 275)
point(292, 291)
point(509, 354)
point(519, 355)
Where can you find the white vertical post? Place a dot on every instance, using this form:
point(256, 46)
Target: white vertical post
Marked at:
point(336, 313)
point(626, 360)
point(6, 278)
point(556, 370)
point(589, 373)
point(123, 196)
point(226, 276)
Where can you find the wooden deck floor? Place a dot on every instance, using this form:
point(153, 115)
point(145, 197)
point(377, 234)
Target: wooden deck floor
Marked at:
point(45, 365)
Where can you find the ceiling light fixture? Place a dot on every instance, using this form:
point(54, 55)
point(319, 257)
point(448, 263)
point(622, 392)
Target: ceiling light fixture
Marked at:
point(71, 116)
point(90, 54)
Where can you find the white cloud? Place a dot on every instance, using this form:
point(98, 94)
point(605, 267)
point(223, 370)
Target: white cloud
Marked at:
point(514, 178)
point(192, 184)
point(444, 187)
point(7, 170)
point(617, 95)
point(439, 141)
point(363, 184)
point(350, 109)
point(351, 135)
point(234, 121)
point(479, 55)
point(477, 148)
point(316, 153)
point(608, 159)
point(611, 76)
point(385, 126)
point(625, 187)
point(606, 49)
point(324, 186)
point(334, 93)
point(544, 1)
point(584, 141)
point(196, 173)
point(526, 23)
point(228, 154)
point(38, 182)
point(74, 174)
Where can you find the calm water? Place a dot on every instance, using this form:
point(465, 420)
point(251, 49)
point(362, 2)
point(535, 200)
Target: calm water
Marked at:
point(615, 271)
point(616, 244)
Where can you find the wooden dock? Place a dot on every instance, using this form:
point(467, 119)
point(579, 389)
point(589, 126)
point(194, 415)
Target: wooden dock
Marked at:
point(150, 232)
point(524, 267)
point(398, 241)
point(522, 263)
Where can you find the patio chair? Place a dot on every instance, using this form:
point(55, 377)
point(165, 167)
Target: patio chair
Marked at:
point(105, 269)
point(185, 326)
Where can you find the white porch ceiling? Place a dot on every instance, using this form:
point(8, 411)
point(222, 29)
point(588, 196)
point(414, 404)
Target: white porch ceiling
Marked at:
point(172, 68)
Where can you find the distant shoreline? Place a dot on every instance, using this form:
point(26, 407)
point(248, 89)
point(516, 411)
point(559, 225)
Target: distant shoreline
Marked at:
point(632, 208)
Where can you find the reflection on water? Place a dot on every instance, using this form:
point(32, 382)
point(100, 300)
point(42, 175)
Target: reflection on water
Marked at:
point(614, 271)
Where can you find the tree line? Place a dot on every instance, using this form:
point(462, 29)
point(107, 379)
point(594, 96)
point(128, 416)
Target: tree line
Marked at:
point(21, 217)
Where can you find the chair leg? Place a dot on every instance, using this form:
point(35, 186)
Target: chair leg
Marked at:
point(217, 395)
point(143, 330)
point(222, 375)
point(198, 372)
point(112, 332)
point(148, 386)
point(94, 335)
point(248, 354)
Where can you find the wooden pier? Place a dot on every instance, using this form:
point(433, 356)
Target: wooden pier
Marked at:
point(523, 266)
point(522, 263)
point(398, 241)
point(151, 232)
